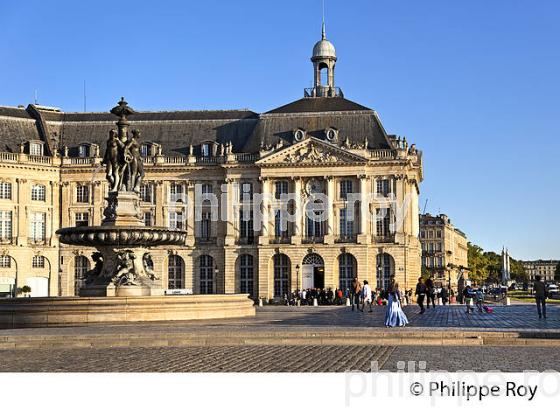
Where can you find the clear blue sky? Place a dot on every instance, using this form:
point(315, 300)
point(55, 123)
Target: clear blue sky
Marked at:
point(475, 84)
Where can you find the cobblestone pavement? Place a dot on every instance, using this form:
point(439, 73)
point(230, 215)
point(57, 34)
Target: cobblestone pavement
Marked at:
point(279, 359)
point(515, 317)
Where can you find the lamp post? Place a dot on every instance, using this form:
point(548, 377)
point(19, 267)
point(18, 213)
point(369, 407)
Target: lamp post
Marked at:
point(216, 273)
point(50, 271)
point(297, 277)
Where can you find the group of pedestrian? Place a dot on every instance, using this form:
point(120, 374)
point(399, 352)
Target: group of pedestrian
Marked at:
point(362, 296)
point(322, 296)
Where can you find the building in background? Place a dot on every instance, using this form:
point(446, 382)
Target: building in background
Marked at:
point(51, 176)
point(544, 268)
point(444, 250)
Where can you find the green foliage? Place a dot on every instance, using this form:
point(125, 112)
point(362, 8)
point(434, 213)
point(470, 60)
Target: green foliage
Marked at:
point(557, 272)
point(26, 289)
point(486, 267)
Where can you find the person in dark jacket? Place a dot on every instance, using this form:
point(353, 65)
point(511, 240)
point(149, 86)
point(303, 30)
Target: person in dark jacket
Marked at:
point(540, 296)
point(420, 294)
point(431, 293)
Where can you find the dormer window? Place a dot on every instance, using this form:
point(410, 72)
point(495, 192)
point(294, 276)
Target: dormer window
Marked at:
point(205, 149)
point(144, 150)
point(299, 134)
point(84, 150)
point(35, 148)
point(331, 134)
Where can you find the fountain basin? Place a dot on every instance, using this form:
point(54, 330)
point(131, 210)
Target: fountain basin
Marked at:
point(121, 236)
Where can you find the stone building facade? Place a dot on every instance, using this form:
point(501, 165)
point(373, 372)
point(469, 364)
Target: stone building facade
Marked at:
point(322, 144)
point(545, 268)
point(444, 250)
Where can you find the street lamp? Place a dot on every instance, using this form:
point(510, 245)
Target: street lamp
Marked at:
point(297, 277)
point(216, 272)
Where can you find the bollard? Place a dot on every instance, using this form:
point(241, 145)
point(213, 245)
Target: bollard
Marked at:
point(315, 302)
point(260, 302)
point(507, 301)
point(299, 302)
point(347, 301)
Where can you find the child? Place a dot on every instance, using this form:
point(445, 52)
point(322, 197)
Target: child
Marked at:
point(468, 295)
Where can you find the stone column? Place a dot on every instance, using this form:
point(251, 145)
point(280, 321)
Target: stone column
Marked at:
point(364, 236)
point(399, 211)
point(265, 211)
point(230, 212)
point(160, 198)
point(191, 214)
point(22, 214)
point(298, 211)
point(331, 193)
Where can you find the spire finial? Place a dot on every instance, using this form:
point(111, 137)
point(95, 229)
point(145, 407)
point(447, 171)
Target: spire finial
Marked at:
point(323, 31)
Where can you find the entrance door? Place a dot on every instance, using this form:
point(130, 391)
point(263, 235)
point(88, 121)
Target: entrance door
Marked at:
point(313, 272)
point(39, 286)
point(319, 277)
point(307, 277)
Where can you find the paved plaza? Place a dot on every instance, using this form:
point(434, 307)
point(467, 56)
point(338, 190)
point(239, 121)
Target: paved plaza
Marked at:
point(279, 359)
point(296, 339)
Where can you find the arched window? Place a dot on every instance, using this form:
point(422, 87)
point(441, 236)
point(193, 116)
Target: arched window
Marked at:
point(385, 268)
point(281, 274)
point(175, 272)
point(206, 272)
point(81, 267)
point(347, 270)
point(246, 274)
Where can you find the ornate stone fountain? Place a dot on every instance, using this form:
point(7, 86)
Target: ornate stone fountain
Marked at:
point(123, 261)
point(123, 265)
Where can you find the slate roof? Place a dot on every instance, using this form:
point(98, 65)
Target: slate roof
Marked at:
point(177, 130)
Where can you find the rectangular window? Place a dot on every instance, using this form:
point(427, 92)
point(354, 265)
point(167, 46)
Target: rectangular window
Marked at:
point(5, 190)
point(38, 261)
point(205, 150)
point(430, 234)
point(438, 234)
point(5, 261)
point(205, 225)
point(144, 150)
point(346, 225)
point(246, 225)
point(148, 219)
point(146, 193)
point(38, 193)
point(37, 226)
point(35, 148)
point(346, 187)
point(83, 151)
point(383, 187)
point(176, 220)
point(5, 225)
point(82, 194)
point(280, 188)
point(206, 189)
point(82, 218)
point(281, 223)
point(245, 191)
point(383, 221)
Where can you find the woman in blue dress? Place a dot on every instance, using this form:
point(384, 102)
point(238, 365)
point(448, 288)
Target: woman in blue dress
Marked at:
point(394, 315)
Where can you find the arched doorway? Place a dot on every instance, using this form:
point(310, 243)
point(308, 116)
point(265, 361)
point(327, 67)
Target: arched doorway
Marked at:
point(313, 272)
point(347, 270)
point(385, 268)
point(281, 275)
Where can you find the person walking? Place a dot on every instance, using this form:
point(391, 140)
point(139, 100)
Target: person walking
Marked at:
point(420, 294)
point(540, 296)
point(468, 295)
point(355, 293)
point(366, 292)
point(394, 315)
point(430, 292)
point(479, 299)
point(444, 296)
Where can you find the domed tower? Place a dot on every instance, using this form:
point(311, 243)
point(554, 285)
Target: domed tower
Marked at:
point(323, 58)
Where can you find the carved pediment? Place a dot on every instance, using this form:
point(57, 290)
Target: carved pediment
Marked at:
point(311, 151)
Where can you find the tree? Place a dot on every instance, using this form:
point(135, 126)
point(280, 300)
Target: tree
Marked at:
point(557, 273)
